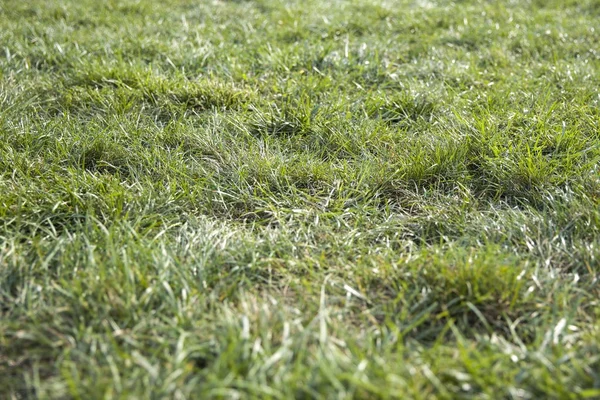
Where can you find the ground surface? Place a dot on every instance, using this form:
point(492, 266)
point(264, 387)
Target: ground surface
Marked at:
point(277, 199)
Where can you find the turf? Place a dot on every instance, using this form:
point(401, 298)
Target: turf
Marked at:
point(299, 199)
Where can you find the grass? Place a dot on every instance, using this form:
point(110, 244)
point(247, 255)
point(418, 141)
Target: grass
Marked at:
point(299, 199)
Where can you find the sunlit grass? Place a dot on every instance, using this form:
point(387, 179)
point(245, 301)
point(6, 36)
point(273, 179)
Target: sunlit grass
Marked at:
point(285, 199)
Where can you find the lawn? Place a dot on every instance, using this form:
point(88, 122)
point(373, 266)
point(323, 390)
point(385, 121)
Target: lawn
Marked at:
point(276, 199)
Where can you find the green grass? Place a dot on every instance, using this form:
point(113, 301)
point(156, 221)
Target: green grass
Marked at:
point(299, 199)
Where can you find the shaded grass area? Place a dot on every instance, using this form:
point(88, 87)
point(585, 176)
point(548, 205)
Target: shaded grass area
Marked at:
point(279, 199)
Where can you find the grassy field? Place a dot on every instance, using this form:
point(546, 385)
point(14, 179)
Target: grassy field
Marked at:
point(299, 199)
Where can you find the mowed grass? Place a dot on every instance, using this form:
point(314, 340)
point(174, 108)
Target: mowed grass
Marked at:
point(299, 199)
